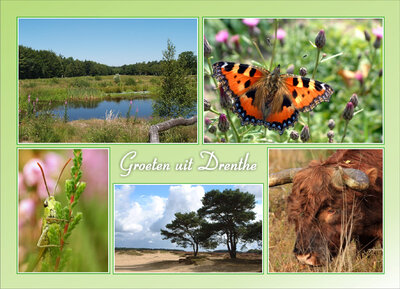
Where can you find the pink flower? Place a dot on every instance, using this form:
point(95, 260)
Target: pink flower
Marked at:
point(26, 208)
point(207, 121)
point(378, 32)
point(21, 185)
point(235, 38)
point(358, 76)
point(41, 188)
point(130, 103)
point(222, 36)
point(29, 98)
point(137, 109)
point(95, 172)
point(32, 173)
point(251, 22)
point(280, 34)
point(37, 99)
point(66, 102)
point(53, 164)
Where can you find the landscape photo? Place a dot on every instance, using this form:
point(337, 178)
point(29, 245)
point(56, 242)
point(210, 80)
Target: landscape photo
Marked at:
point(188, 228)
point(107, 80)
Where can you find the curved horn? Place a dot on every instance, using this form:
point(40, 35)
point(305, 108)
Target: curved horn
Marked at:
point(353, 178)
point(282, 177)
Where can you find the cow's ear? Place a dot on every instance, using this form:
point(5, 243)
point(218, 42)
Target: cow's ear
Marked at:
point(372, 174)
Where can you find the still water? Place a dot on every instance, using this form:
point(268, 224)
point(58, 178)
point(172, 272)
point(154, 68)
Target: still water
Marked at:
point(141, 107)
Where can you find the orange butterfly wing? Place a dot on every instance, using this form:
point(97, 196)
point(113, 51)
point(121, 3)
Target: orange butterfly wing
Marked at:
point(236, 78)
point(307, 93)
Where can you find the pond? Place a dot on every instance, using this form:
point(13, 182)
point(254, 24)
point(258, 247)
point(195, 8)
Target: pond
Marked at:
point(141, 108)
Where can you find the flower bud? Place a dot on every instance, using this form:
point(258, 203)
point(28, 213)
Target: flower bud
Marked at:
point(212, 129)
point(348, 111)
point(207, 48)
point(207, 105)
point(320, 39)
point(305, 134)
point(331, 124)
point(330, 135)
point(377, 43)
point(290, 69)
point(294, 135)
point(223, 123)
point(207, 121)
point(235, 41)
point(303, 71)
point(367, 36)
point(380, 72)
point(224, 100)
point(354, 99)
point(223, 139)
point(207, 139)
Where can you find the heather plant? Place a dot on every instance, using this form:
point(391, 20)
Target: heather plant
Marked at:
point(333, 51)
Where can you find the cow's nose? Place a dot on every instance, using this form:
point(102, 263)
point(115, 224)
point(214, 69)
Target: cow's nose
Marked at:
point(309, 259)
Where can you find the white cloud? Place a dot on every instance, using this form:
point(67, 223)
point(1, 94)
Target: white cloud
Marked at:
point(256, 190)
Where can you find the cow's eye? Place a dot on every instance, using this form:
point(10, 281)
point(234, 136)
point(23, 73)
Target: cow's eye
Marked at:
point(331, 211)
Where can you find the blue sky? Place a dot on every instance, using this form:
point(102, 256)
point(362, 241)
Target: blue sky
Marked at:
point(142, 210)
point(113, 42)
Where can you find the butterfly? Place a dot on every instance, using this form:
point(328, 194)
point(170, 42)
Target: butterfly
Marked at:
point(269, 98)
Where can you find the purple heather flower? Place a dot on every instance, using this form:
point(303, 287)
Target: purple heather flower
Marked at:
point(251, 22)
point(31, 172)
point(21, 184)
point(95, 168)
point(26, 208)
point(53, 163)
point(280, 34)
point(222, 36)
point(378, 32)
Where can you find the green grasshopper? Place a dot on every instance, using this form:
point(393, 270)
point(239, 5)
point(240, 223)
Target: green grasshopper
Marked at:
point(50, 238)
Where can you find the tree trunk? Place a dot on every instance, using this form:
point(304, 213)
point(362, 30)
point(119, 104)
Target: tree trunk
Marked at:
point(155, 129)
point(196, 250)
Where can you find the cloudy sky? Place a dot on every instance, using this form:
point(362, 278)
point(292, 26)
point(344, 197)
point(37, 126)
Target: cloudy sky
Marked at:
point(142, 210)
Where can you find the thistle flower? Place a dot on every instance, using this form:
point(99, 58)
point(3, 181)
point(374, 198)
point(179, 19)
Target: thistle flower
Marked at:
point(359, 76)
point(348, 112)
point(331, 124)
point(223, 123)
point(207, 105)
point(378, 32)
point(235, 41)
point(294, 135)
point(367, 36)
point(320, 40)
point(251, 22)
point(305, 134)
point(303, 71)
point(207, 48)
point(354, 99)
point(207, 121)
point(377, 42)
point(280, 35)
point(224, 99)
point(222, 36)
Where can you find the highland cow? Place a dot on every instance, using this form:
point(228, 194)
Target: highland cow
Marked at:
point(334, 202)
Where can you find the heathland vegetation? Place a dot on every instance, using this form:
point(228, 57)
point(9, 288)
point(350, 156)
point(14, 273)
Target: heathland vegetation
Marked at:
point(49, 81)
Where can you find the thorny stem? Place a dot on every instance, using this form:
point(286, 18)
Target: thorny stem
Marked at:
point(345, 130)
point(274, 47)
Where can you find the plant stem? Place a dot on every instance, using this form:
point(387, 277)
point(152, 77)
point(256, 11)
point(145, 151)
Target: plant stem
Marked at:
point(226, 137)
point(345, 130)
point(274, 47)
point(313, 77)
point(236, 134)
point(259, 52)
point(316, 63)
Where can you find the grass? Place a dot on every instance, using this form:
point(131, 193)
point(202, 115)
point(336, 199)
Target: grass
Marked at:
point(46, 128)
point(346, 54)
point(85, 87)
point(282, 235)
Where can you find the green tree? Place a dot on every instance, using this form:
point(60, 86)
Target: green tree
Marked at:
point(230, 214)
point(174, 98)
point(188, 61)
point(187, 230)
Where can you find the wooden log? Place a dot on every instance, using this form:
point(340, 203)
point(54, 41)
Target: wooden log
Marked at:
point(166, 125)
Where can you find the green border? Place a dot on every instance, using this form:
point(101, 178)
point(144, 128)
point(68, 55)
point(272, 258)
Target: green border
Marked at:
point(189, 273)
point(197, 18)
point(383, 224)
point(383, 98)
point(108, 217)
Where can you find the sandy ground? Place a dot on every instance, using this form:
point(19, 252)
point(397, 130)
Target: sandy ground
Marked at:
point(170, 261)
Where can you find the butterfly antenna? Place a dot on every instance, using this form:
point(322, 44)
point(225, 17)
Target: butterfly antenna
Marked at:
point(44, 178)
point(60, 175)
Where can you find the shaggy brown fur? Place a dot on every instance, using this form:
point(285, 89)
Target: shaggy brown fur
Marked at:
point(326, 219)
